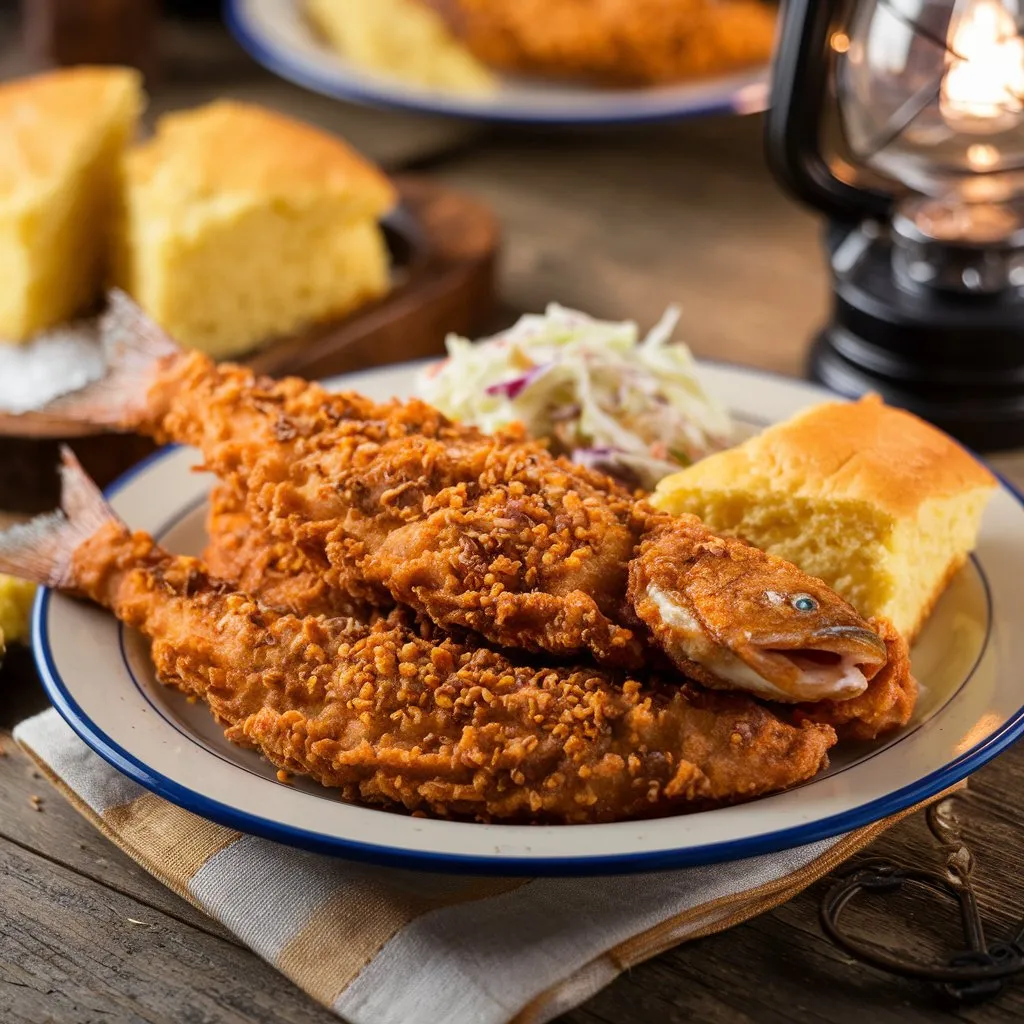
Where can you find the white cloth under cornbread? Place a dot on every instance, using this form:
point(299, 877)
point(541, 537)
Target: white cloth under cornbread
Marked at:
point(54, 363)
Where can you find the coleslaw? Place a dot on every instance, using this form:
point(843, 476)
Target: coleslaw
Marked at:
point(632, 407)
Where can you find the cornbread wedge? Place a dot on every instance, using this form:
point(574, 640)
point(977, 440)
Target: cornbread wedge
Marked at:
point(401, 38)
point(240, 225)
point(877, 503)
point(61, 141)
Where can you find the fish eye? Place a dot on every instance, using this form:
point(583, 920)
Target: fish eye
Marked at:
point(804, 603)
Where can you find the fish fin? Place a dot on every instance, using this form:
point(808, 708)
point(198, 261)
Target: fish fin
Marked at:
point(41, 550)
point(134, 346)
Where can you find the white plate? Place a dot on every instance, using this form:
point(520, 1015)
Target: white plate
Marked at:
point(968, 659)
point(278, 35)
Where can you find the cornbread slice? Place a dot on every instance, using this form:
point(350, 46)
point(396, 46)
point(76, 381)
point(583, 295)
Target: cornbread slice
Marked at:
point(877, 503)
point(240, 224)
point(401, 38)
point(61, 141)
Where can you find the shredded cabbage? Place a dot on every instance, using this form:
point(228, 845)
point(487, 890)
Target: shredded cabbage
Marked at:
point(634, 408)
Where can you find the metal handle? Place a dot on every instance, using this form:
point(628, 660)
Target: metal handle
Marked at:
point(979, 971)
point(793, 127)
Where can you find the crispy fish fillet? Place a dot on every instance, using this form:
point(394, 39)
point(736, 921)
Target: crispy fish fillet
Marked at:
point(238, 552)
point(488, 533)
point(258, 563)
point(425, 722)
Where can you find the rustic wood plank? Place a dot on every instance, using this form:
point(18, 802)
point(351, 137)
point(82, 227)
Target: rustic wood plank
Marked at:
point(60, 834)
point(70, 951)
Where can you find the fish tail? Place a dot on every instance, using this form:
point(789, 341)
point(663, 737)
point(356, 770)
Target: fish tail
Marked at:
point(134, 346)
point(42, 550)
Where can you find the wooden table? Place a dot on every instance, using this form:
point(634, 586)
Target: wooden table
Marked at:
point(619, 224)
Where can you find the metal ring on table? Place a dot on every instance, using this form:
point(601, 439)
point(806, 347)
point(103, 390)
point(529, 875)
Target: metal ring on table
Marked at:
point(973, 974)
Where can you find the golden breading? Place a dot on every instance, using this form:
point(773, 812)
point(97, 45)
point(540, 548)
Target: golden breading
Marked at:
point(490, 533)
point(254, 560)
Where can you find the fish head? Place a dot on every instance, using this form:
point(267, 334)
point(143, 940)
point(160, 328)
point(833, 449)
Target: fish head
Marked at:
point(749, 621)
point(808, 643)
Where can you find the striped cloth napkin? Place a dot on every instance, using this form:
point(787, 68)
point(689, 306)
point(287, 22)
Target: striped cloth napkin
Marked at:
point(384, 946)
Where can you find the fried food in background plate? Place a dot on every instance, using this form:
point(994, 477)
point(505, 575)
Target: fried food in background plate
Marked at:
point(417, 720)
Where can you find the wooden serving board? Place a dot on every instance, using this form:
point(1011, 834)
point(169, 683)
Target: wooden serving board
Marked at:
point(444, 249)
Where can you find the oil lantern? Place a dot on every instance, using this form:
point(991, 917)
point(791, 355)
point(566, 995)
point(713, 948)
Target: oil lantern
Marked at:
point(903, 122)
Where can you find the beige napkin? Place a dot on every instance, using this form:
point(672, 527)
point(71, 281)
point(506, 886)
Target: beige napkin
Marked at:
point(384, 946)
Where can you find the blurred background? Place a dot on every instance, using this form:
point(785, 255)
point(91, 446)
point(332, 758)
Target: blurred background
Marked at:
point(617, 219)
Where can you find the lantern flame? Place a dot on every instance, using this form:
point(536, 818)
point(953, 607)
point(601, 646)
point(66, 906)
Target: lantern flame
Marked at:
point(983, 88)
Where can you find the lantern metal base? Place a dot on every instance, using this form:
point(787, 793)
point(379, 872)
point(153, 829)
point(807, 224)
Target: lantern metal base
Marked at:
point(955, 361)
point(983, 417)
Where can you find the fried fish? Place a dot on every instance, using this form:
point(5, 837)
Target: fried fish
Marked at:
point(410, 718)
point(492, 533)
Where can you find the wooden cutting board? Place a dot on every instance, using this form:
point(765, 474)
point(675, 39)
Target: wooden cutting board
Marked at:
point(444, 249)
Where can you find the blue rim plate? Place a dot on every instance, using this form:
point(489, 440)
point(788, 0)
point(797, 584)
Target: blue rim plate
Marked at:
point(100, 679)
point(276, 34)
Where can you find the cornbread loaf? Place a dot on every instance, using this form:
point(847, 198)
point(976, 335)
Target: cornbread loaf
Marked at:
point(239, 225)
point(629, 42)
point(401, 38)
point(61, 139)
point(877, 503)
